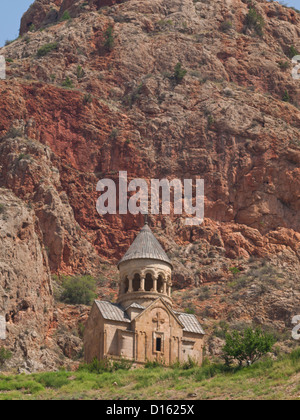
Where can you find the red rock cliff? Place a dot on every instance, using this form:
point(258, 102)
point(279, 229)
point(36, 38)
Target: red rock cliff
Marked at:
point(81, 111)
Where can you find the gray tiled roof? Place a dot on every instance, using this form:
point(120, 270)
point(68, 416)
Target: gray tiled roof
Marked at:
point(135, 305)
point(146, 245)
point(190, 323)
point(112, 312)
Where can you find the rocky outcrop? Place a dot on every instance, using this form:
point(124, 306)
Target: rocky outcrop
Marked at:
point(26, 296)
point(30, 170)
point(41, 11)
point(48, 12)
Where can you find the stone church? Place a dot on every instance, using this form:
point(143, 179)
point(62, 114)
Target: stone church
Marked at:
point(142, 326)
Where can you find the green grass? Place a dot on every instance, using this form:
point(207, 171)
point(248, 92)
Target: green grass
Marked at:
point(263, 381)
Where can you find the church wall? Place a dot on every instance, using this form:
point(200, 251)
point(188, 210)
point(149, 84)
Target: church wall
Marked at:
point(111, 337)
point(126, 344)
point(93, 344)
point(157, 323)
point(192, 345)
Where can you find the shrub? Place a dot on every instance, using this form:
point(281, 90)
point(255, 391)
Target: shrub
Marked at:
point(109, 41)
point(2, 208)
point(254, 20)
point(286, 97)
point(114, 133)
point(190, 310)
point(67, 83)
point(88, 98)
point(78, 290)
point(179, 73)
point(189, 364)
point(247, 346)
point(284, 65)
point(234, 270)
point(226, 25)
point(46, 49)
point(4, 355)
point(65, 16)
point(293, 51)
point(134, 96)
point(79, 72)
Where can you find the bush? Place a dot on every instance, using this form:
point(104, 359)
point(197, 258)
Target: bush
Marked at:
point(234, 270)
point(286, 97)
point(254, 20)
point(79, 72)
point(247, 346)
point(4, 355)
point(109, 41)
point(65, 16)
point(78, 290)
point(284, 65)
point(189, 364)
point(67, 83)
point(46, 49)
point(226, 26)
point(293, 51)
point(190, 310)
point(179, 73)
point(2, 208)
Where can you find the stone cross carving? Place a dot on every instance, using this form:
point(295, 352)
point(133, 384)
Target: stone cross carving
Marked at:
point(158, 319)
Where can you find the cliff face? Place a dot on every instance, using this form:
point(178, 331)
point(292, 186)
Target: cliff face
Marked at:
point(78, 106)
point(26, 296)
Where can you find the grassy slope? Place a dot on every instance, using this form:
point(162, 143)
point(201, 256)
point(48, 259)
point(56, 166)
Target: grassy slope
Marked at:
point(265, 380)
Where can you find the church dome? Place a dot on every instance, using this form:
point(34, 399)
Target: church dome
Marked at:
point(145, 271)
point(145, 246)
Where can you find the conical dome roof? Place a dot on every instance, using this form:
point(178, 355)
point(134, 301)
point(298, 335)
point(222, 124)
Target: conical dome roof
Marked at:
point(147, 246)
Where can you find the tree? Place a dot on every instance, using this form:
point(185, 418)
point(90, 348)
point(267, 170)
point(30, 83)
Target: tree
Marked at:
point(78, 290)
point(247, 346)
